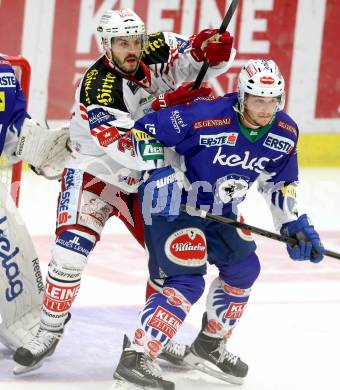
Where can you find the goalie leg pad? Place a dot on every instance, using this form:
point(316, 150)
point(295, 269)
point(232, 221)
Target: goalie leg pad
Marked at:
point(228, 296)
point(64, 275)
point(21, 284)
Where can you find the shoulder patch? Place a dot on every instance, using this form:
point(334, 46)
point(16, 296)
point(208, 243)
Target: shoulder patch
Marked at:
point(103, 87)
point(157, 50)
point(182, 44)
point(287, 127)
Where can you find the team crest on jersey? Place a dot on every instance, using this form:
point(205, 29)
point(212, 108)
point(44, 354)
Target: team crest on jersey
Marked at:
point(187, 247)
point(231, 187)
point(278, 143)
point(220, 139)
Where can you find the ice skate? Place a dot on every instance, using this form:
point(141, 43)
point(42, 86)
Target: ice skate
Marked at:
point(209, 355)
point(175, 353)
point(30, 356)
point(136, 370)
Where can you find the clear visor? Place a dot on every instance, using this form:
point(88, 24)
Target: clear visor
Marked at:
point(135, 43)
point(262, 105)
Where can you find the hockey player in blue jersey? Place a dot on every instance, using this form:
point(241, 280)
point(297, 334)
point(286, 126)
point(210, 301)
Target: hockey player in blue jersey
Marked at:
point(12, 107)
point(225, 145)
point(21, 138)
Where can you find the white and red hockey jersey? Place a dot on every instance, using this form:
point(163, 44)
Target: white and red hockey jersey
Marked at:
point(107, 105)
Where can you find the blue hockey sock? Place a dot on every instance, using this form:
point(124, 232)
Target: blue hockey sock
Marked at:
point(165, 311)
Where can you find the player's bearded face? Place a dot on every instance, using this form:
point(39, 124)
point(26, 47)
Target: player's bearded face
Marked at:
point(259, 110)
point(126, 53)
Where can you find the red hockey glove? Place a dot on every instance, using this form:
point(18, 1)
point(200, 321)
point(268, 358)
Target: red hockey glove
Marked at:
point(211, 46)
point(182, 94)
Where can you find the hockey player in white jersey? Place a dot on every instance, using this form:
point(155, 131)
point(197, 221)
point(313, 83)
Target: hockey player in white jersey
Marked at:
point(21, 283)
point(115, 91)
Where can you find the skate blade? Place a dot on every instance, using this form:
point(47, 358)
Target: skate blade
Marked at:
point(120, 383)
point(210, 369)
point(164, 361)
point(19, 369)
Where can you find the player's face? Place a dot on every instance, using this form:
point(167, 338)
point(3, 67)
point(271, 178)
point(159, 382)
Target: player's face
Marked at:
point(259, 110)
point(126, 52)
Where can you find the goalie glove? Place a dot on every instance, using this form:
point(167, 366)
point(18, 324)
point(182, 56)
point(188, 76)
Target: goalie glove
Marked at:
point(45, 149)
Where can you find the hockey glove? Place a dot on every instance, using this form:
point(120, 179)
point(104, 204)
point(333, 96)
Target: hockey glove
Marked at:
point(309, 247)
point(212, 46)
point(182, 94)
point(160, 193)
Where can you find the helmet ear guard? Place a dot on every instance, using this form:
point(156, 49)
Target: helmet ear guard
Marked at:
point(261, 78)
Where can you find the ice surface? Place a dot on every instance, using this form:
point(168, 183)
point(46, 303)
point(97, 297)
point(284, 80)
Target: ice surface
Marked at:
point(289, 334)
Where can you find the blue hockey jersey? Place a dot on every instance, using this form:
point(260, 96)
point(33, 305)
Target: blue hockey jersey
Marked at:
point(222, 158)
point(12, 105)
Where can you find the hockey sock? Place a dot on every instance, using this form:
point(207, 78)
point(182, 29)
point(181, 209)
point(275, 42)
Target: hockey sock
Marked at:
point(165, 311)
point(153, 286)
point(63, 279)
point(228, 296)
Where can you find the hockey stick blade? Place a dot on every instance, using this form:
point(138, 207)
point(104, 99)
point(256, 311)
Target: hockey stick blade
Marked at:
point(224, 25)
point(244, 226)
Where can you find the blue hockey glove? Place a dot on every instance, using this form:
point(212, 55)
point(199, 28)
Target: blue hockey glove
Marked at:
point(309, 247)
point(160, 194)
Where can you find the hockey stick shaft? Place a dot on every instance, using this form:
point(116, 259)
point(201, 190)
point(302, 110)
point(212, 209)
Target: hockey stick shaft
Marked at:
point(223, 27)
point(244, 226)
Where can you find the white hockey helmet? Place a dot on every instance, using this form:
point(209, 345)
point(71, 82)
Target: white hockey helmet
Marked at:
point(120, 23)
point(261, 78)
